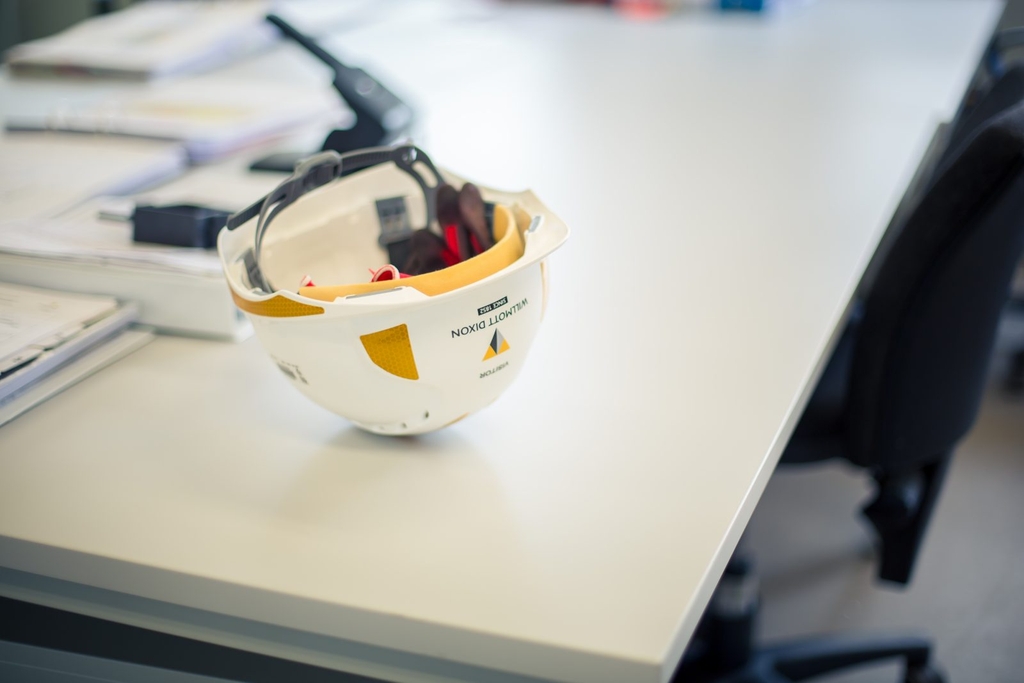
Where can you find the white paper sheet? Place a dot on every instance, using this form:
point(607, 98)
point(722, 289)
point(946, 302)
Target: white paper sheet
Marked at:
point(35, 320)
point(43, 174)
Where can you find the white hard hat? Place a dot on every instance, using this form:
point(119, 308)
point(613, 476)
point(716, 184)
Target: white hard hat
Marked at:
point(396, 356)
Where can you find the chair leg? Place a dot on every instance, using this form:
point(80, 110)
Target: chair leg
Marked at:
point(733, 613)
point(803, 660)
point(726, 652)
point(1015, 378)
point(900, 512)
point(724, 638)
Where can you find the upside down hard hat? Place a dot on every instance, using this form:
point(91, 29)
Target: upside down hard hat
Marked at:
point(395, 356)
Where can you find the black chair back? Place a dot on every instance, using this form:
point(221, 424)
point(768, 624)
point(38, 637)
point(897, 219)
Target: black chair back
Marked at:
point(930, 318)
point(1004, 94)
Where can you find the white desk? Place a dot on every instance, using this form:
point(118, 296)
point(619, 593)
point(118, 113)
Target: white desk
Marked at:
point(726, 179)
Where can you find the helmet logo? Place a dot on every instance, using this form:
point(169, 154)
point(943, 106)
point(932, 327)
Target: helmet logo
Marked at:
point(497, 345)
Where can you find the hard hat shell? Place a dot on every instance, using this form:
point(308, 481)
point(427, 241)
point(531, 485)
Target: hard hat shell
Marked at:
point(403, 356)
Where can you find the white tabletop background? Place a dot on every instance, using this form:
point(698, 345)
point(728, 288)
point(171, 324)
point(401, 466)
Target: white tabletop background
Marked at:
point(726, 179)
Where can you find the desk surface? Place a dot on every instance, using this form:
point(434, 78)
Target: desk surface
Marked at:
point(726, 179)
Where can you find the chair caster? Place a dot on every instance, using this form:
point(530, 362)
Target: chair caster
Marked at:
point(923, 674)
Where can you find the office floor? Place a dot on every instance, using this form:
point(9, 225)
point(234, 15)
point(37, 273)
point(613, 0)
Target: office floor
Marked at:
point(968, 592)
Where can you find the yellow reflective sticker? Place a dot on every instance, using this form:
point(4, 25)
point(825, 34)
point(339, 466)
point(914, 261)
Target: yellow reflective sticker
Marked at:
point(391, 351)
point(278, 307)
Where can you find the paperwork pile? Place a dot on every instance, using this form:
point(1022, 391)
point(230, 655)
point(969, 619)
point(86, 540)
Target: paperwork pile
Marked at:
point(151, 39)
point(179, 290)
point(70, 146)
point(212, 116)
point(50, 340)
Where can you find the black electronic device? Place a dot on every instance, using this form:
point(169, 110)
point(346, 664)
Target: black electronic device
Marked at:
point(179, 225)
point(381, 117)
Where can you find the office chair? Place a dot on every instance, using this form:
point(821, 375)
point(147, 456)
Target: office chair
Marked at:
point(902, 387)
point(907, 377)
point(995, 62)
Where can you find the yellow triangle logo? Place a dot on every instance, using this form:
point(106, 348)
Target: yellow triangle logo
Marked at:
point(497, 345)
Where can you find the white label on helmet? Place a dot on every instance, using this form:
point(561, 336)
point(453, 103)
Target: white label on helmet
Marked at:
point(491, 306)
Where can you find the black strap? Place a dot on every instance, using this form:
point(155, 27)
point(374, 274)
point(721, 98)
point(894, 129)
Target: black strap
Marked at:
point(245, 215)
point(319, 167)
point(316, 172)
